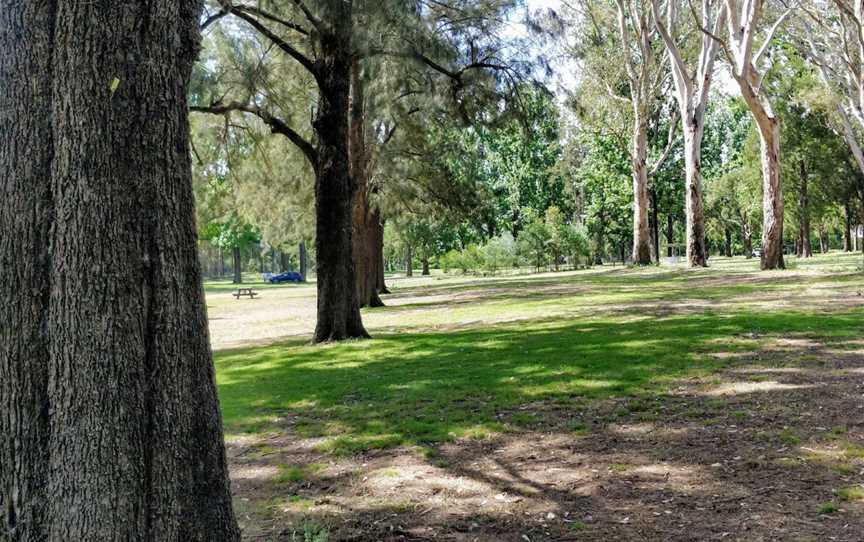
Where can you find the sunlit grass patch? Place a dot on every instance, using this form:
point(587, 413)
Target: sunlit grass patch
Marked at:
point(565, 341)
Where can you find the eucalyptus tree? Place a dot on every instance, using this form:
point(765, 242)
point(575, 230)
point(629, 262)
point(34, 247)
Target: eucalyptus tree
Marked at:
point(623, 45)
point(692, 79)
point(109, 421)
point(832, 38)
point(744, 20)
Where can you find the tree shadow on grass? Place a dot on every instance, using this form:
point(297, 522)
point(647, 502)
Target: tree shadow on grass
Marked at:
point(416, 388)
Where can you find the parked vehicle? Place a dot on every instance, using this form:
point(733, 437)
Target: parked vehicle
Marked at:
point(288, 276)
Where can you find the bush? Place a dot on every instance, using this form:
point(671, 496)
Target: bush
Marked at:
point(499, 252)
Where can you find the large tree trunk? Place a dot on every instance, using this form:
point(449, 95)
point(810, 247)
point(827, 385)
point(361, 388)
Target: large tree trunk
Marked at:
point(109, 419)
point(697, 255)
point(424, 265)
point(366, 256)
point(847, 227)
point(238, 265)
point(365, 233)
point(409, 262)
point(338, 309)
point(26, 211)
point(641, 231)
point(772, 195)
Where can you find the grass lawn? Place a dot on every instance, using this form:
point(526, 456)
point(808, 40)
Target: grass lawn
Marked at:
point(500, 408)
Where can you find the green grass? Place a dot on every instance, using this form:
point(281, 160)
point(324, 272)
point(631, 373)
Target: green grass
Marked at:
point(853, 493)
point(828, 508)
point(426, 387)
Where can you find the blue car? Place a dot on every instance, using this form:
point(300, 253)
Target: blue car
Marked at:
point(289, 276)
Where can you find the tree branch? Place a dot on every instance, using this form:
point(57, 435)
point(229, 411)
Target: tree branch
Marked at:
point(270, 17)
point(282, 44)
point(277, 126)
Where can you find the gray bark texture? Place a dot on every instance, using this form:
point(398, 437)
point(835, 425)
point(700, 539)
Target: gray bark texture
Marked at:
point(109, 420)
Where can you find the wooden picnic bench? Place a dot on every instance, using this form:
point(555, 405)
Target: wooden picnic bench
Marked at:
point(244, 292)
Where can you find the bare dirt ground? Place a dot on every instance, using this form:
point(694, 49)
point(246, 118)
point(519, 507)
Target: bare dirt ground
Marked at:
point(769, 448)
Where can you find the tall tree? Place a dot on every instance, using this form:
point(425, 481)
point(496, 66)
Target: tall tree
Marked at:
point(692, 90)
point(743, 22)
point(109, 423)
point(323, 47)
point(628, 34)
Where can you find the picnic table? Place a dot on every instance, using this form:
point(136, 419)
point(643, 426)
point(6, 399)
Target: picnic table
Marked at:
point(244, 292)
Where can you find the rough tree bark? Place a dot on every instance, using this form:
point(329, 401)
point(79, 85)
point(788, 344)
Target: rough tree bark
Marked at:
point(26, 211)
point(338, 309)
point(365, 234)
point(113, 433)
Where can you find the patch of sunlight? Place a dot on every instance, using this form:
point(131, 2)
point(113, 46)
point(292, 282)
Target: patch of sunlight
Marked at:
point(415, 385)
point(578, 383)
point(740, 388)
point(632, 429)
point(254, 472)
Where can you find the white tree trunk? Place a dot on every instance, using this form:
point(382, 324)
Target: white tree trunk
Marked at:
point(641, 231)
point(772, 198)
point(693, 130)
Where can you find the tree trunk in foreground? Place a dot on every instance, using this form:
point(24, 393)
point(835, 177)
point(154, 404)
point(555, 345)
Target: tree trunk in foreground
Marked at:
point(641, 231)
point(697, 255)
point(26, 211)
point(424, 265)
point(772, 194)
point(109, 419)
point(238, 265)
point(338, 310)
